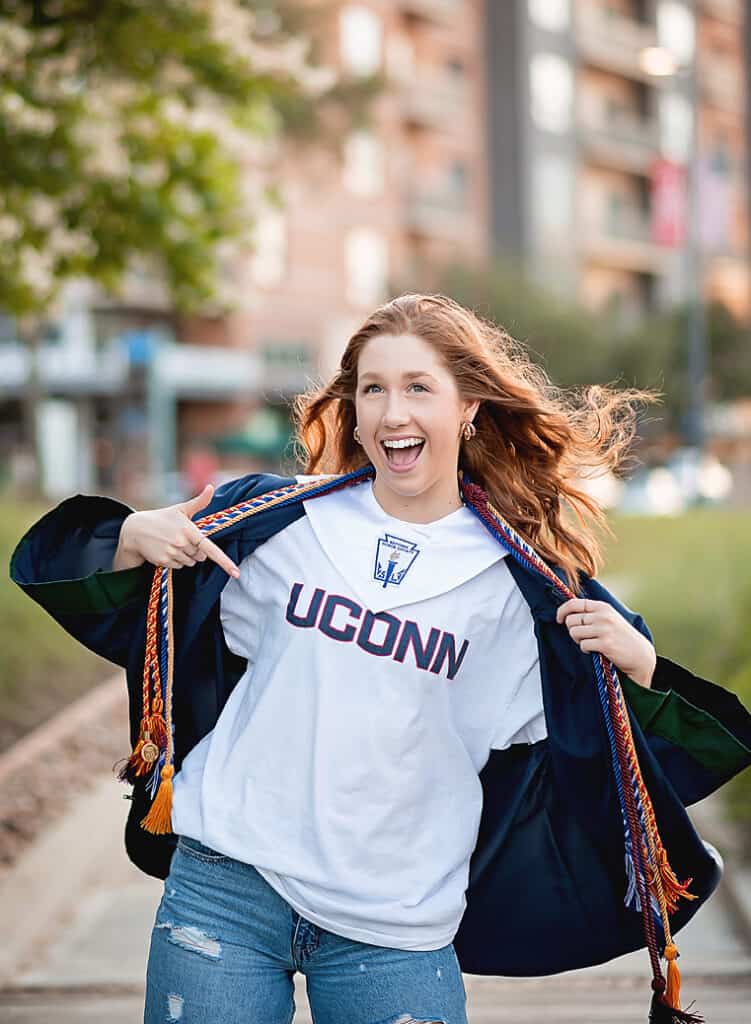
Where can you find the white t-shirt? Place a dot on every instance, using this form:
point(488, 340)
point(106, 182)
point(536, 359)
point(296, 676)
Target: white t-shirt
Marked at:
point(385, 660)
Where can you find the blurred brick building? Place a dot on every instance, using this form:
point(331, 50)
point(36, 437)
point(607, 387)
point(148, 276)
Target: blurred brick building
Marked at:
point(593, 107)
point(536, 129)
point(410, 190)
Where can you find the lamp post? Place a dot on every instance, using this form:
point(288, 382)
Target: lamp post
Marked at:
point(660, 63)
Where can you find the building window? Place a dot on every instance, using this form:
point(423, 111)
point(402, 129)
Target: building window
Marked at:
point(268, 263)
point(553, 15)
point(619, 214)
point(553, 182)
point(552, 92)
point(367, 266)
point(361, 39)
point(456, 69)
point(458, 179)
point(363, 171)
point(614, 109)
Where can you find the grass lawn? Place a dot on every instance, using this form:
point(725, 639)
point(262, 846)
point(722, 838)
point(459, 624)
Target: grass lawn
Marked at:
point(42, 668)
point(690, 579)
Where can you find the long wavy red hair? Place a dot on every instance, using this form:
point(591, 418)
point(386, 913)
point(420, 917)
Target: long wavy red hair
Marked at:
point(534, 439)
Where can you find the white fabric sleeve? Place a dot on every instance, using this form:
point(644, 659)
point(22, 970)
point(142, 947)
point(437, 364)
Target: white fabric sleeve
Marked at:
point(238, 615)
point(523, 718)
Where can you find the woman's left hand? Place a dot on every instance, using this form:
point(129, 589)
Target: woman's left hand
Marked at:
point(598, 626)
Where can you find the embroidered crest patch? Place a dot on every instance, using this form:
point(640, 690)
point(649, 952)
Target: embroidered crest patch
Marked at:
point(394, 558)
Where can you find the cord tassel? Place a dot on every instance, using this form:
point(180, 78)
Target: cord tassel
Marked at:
point(666, 1001)
point(159, 819)
point(673, 990)
point(661, 1013)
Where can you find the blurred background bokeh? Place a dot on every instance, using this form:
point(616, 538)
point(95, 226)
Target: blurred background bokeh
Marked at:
point(200, 200)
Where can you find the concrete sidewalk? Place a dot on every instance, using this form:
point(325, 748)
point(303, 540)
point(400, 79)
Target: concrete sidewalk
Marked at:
point(81, 917)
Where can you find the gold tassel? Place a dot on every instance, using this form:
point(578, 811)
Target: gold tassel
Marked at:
point(673, 989)
point(159, 819)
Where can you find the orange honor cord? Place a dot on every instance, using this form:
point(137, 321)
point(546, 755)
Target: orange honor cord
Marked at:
point(159, 818)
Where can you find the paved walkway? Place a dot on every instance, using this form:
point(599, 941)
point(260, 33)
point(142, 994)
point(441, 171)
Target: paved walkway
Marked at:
point(84, 959)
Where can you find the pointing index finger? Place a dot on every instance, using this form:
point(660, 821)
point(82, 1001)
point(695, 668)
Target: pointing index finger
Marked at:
point(217, 555)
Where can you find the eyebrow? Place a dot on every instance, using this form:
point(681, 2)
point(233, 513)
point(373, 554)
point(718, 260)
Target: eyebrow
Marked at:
point(407, 376)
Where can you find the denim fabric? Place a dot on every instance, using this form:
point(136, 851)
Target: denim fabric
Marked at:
point(225, 947)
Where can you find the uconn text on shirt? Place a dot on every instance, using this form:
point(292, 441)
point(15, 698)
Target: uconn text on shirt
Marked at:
point(378, 633)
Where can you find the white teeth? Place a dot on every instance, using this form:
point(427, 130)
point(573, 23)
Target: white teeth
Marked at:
point(408, 442)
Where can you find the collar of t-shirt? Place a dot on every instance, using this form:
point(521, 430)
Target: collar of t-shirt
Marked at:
point(388, 562)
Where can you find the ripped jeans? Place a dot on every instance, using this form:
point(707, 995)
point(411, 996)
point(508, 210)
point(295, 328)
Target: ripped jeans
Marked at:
point(225, 947)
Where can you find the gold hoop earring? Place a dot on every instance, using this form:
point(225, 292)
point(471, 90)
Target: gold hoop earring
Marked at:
point(468, 430)
point(356, 435)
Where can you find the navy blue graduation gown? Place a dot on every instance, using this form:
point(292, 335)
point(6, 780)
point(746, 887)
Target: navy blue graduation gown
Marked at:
point(547, 880)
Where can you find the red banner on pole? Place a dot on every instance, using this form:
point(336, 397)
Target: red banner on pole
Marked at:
point(668, 194)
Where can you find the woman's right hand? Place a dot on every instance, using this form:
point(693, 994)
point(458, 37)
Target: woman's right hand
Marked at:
point(168, 537)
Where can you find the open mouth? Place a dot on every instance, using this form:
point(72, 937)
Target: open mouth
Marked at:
point(402, 459)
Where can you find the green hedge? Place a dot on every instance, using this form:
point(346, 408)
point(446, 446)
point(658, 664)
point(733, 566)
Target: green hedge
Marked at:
point(42, 668)
point(689, 576)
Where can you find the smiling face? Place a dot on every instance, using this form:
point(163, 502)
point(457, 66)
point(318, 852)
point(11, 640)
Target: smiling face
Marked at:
point(405, 394)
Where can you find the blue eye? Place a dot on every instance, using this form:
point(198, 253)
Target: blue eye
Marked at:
point(366, 389)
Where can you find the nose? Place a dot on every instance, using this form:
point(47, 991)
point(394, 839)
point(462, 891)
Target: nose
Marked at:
point(396, 412)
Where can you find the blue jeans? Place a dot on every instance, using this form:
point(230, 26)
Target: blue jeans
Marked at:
point(225, 947)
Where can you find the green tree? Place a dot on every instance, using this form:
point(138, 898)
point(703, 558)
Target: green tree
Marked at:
point(134, 133)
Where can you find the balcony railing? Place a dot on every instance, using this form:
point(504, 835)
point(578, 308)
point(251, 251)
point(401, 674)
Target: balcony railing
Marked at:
point(612, 40)
point(623, 240)
point(433, 10)
point(626, 141)
point(203, 370)
point(190, 371)
point(62, 371)
point(200, 371)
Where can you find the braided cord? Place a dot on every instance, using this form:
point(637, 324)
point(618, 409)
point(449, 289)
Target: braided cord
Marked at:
point(652, 880)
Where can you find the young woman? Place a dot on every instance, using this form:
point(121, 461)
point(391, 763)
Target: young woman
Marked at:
point(391, 698)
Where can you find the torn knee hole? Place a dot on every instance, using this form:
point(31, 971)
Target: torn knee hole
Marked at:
point(407, 1018)
point(175, 1005)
